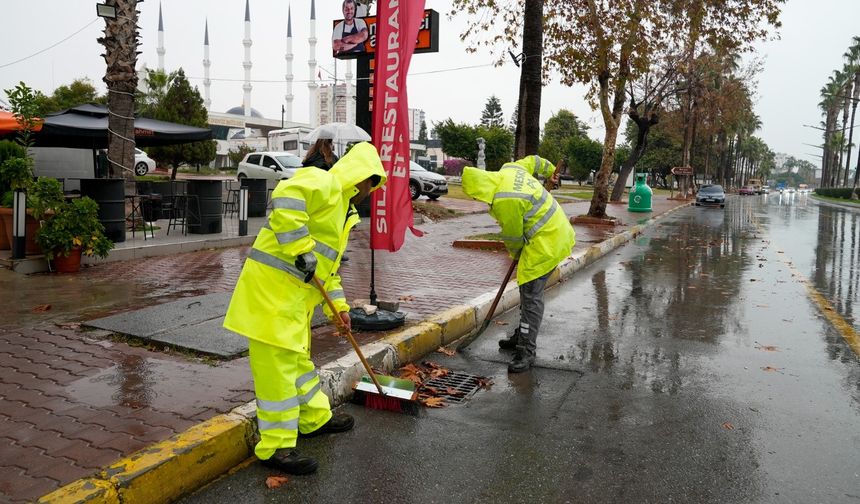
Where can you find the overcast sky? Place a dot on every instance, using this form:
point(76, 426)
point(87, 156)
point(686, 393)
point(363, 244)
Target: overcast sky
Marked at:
point(450, 83)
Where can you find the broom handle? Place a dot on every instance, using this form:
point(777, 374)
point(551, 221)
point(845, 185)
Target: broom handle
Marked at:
point(501, 291)
point(339, 323)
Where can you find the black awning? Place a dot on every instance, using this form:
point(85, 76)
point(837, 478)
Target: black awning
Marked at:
point(86, 127)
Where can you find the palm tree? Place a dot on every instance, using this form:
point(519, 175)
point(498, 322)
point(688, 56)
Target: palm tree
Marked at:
point(120, 42)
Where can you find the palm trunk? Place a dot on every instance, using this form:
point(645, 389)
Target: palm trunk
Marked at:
point(120, 41)
point(528, 122)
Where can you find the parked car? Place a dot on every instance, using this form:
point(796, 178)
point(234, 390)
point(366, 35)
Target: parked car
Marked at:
point(268, 165)
point(747, 191)
point(711, 195)
point(426, 182)
point(143, 164)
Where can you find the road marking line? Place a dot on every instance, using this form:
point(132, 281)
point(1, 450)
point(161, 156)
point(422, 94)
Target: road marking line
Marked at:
point(849, 334)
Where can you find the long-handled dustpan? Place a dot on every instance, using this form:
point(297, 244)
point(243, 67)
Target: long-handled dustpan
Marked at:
point(373, 391)
point(465, 342)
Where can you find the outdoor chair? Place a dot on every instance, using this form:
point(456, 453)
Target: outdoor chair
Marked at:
point(231, 200)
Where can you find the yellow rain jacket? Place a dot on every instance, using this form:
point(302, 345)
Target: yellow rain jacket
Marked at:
point(534, 227)
point(536, 166)
point(310, 211)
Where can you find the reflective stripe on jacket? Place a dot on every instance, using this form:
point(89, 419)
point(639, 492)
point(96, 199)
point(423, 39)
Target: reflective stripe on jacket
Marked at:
point(535, 165)
point(534, 226)
point(310, 212)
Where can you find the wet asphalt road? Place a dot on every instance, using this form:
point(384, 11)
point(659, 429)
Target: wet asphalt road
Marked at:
point(688, 366)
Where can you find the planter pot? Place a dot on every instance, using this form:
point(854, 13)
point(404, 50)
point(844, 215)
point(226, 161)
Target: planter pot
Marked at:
point(32, 225)
point(70, 264)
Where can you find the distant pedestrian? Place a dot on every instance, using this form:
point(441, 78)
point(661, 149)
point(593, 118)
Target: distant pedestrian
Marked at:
point(272, 305)
point(321, 155)
point(535, 231)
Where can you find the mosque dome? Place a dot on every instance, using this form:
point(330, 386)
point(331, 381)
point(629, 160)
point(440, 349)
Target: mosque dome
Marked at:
point(240, 110)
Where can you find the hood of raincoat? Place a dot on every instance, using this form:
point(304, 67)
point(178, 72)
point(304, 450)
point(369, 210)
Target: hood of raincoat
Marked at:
point(358, 165)
point(480, 184)
point(536, 166)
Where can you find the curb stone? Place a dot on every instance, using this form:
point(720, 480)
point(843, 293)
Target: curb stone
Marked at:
point(210, 449)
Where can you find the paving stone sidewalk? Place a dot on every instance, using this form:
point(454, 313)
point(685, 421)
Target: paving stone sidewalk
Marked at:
point(73, 401)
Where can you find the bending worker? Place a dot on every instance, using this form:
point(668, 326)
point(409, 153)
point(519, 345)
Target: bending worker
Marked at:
point(273, 302)
point(536, 232)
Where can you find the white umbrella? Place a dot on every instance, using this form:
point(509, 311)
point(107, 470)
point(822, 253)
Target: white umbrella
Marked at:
point(339, 133)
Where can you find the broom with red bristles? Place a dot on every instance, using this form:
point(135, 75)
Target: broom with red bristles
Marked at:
point(395, 395)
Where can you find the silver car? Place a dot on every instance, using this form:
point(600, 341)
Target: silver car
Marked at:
point(426, 182)
point(268, 165)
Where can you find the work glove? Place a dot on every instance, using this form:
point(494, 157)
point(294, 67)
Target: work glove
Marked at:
point(307, 264)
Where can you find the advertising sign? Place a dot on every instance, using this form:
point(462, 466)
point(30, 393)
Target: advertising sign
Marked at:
point(353, 37)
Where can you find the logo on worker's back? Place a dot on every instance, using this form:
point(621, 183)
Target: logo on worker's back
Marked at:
point(354, 36)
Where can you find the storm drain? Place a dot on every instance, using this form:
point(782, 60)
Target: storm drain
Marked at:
point(455, 387)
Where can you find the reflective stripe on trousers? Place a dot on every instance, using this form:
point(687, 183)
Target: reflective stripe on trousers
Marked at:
point(289, 398)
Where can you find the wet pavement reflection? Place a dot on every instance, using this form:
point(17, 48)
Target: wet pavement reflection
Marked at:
point(688, 366)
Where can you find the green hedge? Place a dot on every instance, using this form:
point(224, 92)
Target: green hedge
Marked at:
point(835, 192)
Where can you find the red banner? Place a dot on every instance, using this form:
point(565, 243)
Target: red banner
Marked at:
point(396, 32)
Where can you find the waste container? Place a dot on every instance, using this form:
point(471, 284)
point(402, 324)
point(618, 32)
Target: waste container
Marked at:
point(640, 195)
point(109, 194)
point(257, 196)
point(206, 217)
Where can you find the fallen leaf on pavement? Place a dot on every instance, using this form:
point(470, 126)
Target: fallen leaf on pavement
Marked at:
point(769, 368)
point(276, 481)
point(762, 306)
point(446, 351)
point(484, 383)
point(766, 348)
point(728, 426)
point(413, 373)
point(432, 365)
point(451, 391)
point(430, 390)
point(438, 373)
point(501, 322)
point(70, 325)
point(41, 308)
point(434, 402)
point(406, 298)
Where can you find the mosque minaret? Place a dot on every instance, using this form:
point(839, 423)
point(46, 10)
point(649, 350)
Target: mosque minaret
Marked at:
point(312, 64)
point(160, 50)
point(247, 63)
point(289, 57)
point(206, 64)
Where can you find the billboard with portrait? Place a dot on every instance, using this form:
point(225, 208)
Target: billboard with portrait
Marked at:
point(353, 36)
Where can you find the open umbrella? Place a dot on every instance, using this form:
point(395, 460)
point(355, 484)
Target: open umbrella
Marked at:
point(339, 133)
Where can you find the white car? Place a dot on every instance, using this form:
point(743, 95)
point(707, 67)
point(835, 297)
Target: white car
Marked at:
point(143, 164)
point(425, 182)
point(268, 165)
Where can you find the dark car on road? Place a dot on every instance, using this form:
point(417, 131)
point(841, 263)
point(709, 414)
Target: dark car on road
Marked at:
point(711, 195)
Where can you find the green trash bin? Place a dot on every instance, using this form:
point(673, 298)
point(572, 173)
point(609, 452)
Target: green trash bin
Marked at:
point(640, 195)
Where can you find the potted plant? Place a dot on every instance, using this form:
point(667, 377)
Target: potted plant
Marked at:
point(72, 231)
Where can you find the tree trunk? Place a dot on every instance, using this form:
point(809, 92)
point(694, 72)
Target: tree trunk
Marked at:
point(528, 122)
point(643, 126)
point(120, 43)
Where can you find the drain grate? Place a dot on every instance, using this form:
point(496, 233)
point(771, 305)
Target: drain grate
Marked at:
point(465, 385)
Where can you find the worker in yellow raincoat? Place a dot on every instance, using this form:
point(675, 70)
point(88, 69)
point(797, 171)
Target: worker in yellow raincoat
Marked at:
point(539, 168)
point(535, 231)
point(272, 305)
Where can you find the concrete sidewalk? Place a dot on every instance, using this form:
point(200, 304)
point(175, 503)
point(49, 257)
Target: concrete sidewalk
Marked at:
point(73, 403)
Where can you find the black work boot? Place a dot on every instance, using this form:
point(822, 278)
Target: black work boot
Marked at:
point(523, 361)
point(290, 462)
point(512, 342)
point(340, 422)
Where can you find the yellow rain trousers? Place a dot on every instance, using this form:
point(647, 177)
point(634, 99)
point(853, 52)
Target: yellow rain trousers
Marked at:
point(535, 229)
point(272, 306)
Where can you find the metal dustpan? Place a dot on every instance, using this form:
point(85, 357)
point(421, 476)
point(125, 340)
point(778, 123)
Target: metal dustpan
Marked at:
point(391, 387)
